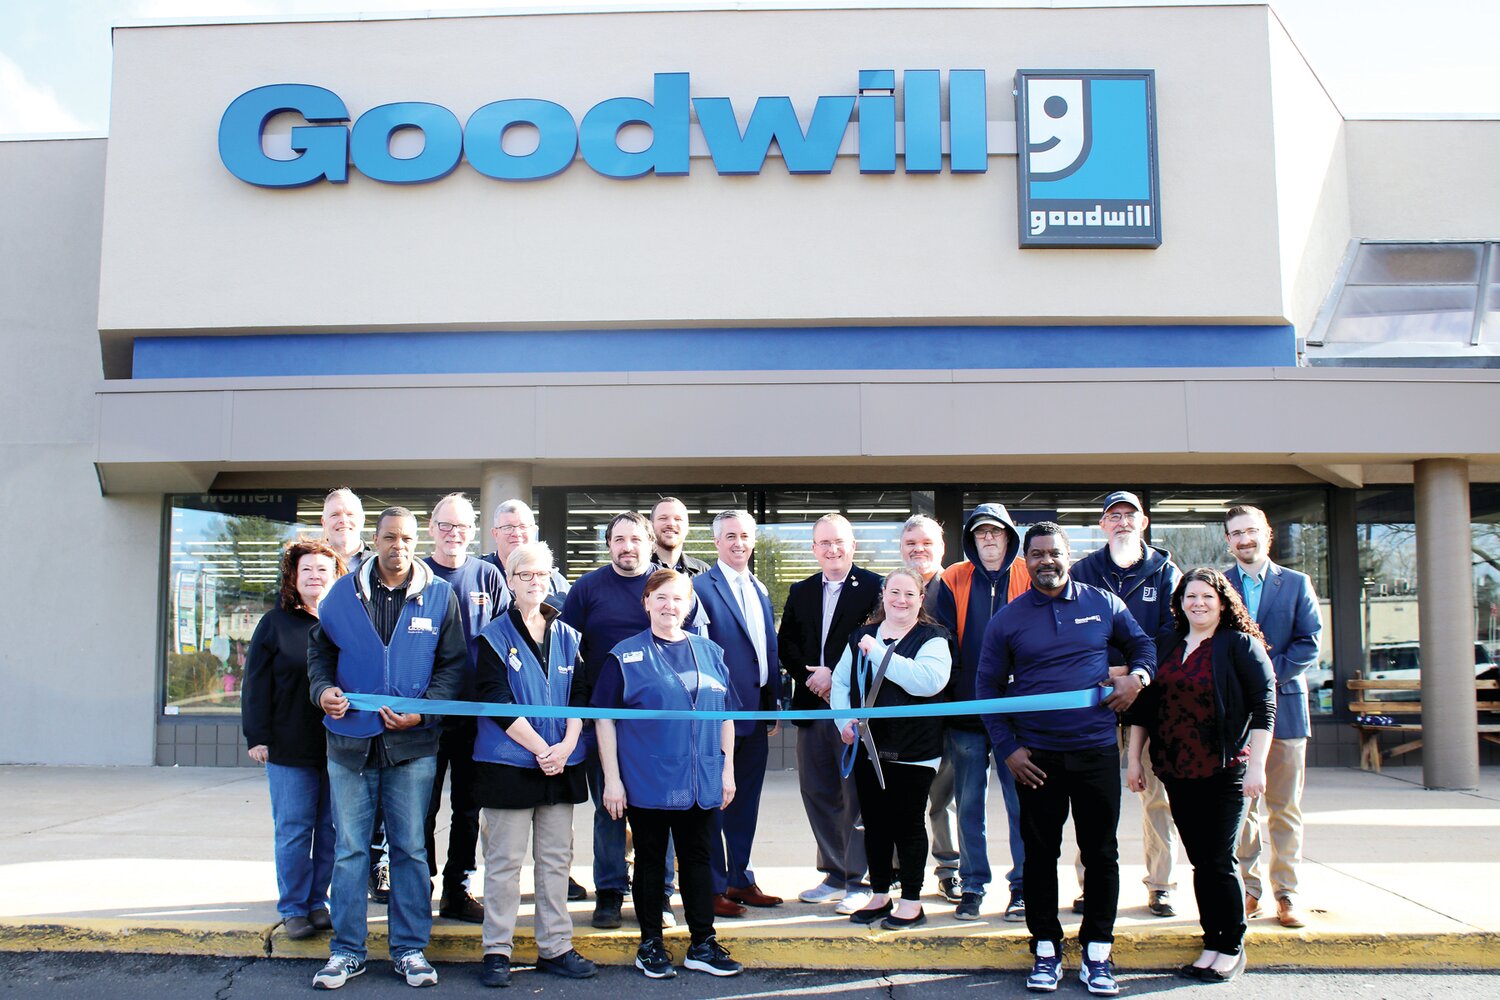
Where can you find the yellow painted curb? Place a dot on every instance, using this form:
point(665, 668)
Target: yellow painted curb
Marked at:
point(792, 946)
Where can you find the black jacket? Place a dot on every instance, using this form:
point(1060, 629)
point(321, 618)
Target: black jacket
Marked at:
point(275, 710)
point(802, 624)
point(1244, 690)
point(902, 739)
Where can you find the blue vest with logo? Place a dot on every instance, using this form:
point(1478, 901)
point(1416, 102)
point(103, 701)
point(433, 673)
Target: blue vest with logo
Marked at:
point(365, 665)
point(671, 764)
point(530, 686)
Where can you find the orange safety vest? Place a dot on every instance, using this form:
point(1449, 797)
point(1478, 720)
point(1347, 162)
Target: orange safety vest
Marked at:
point(960, 577)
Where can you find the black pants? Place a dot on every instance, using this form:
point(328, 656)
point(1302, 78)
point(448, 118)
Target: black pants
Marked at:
point(456, 757)
point(895, 821)
point(1208, 813)
point(691, 830)
point(1088, 783)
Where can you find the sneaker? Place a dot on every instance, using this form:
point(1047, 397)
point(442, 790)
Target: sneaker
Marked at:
point(652, 959)
point(576, 892)
point(607, 908)
point(821, 893)
point(339, 970)
point(1015, 910)
point(853, 901)
point(569, 965)
point(968, 906)
point(668, 918)
point(460, 905)
point(1160, 903)
point(1046, 971)
point(951, 889)
point(496, 971)
point(415, 968)
point(709, 956)
point(1097, 975)
point(380, 884)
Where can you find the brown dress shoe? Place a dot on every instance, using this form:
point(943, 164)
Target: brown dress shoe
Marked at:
point(751, 895)
point(1252, 906)
point(1287, 915)
point(726, 907)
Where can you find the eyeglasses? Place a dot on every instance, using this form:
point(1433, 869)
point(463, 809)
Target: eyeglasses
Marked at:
point(513, 529)
point(835, 543)
point(528, 575)
point(1244, 533)
point(447, 526)
point(988, 532)
point(1119, 517)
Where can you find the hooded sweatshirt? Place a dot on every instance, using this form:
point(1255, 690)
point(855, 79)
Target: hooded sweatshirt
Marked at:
point(968, 598)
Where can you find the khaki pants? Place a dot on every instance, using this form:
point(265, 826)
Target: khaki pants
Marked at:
point(505, 832)
point(1286, 772)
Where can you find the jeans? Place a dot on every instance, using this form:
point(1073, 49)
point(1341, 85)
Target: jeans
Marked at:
point(1087, 784)
point(970, 754)
point(303, 820)
point(401, 792)
point(1208, 813)
point(609, 838)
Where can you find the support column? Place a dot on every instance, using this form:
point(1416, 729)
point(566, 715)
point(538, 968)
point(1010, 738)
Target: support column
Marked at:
point(1445, 581)
point(498, 482)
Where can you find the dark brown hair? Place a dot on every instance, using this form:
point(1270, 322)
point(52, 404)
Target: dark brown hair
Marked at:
point(1232, 611)
point(291, 555)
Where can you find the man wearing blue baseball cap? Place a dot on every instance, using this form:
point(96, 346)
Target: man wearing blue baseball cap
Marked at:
point(1143, 576)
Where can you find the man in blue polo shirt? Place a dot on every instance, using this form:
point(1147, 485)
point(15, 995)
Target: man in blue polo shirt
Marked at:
point(1056, 638)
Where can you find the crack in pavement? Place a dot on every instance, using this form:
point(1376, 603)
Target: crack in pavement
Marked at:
point(223, 992)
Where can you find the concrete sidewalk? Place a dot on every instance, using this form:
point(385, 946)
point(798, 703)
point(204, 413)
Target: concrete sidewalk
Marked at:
point(178, 860)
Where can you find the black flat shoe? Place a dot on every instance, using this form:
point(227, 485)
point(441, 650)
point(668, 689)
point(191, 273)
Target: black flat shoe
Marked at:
point(870, 916)
point(895, 923)
point(1191, 971)
point(1214, 976)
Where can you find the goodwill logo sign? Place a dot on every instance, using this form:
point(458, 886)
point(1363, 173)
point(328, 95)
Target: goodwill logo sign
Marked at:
point(1086, 158)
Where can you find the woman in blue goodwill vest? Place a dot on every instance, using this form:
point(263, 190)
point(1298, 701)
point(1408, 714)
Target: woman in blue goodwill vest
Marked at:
point(669, 775)
point(529, 770)
point(910, 749)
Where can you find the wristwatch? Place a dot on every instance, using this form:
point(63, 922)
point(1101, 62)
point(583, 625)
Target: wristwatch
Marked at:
point(1143, 675)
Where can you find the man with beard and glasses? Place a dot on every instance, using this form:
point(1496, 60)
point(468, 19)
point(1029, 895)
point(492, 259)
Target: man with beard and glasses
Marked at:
point(1053, 639)
point(1144, 577)
point(1283, 604)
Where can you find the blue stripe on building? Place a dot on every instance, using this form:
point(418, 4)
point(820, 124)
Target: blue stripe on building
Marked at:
point(715, 349)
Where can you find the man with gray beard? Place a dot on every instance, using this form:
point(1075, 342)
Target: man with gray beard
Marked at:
point(1144, 577)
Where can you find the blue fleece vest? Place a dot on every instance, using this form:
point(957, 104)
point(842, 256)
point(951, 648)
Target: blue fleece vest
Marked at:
point(365, 665)
point(671, 764)
point(530, 686)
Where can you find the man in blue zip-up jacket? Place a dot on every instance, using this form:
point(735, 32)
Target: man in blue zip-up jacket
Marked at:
point(390, 629)
point(1144, 577)
point(970, 594)
point(1056, 639)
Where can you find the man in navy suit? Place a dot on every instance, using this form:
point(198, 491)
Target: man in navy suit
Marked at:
point(821, 611)
point(1283, 604)
point(741, 622)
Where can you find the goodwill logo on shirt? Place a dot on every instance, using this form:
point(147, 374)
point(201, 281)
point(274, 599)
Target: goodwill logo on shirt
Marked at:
point(1085, 621)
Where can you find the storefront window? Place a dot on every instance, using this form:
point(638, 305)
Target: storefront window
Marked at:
point(589, 515)
point(1389, 591)
point(223, 574)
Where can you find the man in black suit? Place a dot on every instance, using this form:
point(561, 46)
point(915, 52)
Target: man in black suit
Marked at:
point(820, 613)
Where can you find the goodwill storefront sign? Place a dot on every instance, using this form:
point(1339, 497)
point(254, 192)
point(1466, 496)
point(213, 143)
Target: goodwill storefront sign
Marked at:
point(1086, 140)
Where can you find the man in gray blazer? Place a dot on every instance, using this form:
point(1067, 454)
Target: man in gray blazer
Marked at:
point(1283, 604)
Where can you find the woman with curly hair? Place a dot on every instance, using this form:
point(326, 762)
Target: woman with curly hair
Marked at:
point(1207, 720)
point(284, 730)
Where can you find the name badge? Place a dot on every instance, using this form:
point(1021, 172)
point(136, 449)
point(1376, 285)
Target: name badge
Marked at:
point(515, 661)
point(634, 657)
point(420, 625)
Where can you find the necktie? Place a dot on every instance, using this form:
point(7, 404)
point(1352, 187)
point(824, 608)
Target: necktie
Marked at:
point(750, 607)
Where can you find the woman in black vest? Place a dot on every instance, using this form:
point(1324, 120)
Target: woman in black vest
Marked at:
point(285, 733)
point(909, 749)
point(1207, 719)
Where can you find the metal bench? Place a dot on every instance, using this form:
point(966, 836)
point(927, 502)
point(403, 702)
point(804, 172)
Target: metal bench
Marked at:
point(1404, 701)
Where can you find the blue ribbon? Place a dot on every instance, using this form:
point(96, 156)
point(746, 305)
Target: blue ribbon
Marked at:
point(1086, 698)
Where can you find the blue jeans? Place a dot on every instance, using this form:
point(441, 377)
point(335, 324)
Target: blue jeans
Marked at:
point(401, 792)
point(609, 837)
point(303, 820)
point(970, 753)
